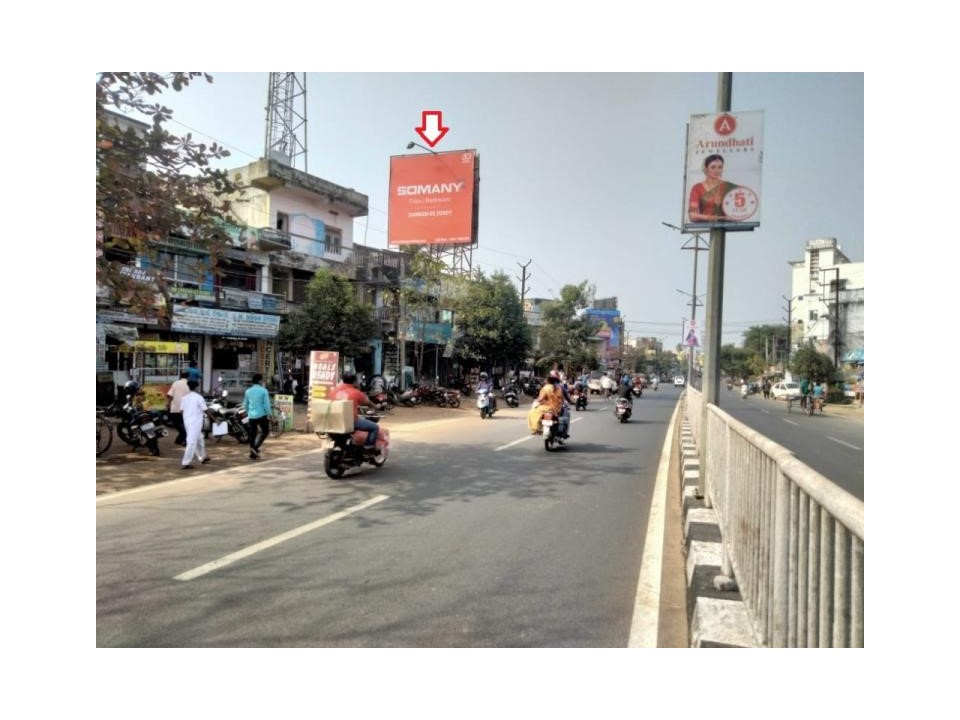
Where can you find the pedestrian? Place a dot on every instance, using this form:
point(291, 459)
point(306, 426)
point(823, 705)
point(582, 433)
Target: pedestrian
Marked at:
point(175, 395)
point(194, 373)
point(288, 385)
point(804, 390)
point(766, 389)
point(256, 401)
point(194, 407)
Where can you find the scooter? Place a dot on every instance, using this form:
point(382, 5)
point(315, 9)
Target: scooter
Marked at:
point(346, 450)
point(744, 391)
point(483, 403)
point(623, 409)
point(510, 396)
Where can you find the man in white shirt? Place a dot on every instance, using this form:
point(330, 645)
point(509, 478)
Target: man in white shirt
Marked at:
point(194, 407)
point(175, 395)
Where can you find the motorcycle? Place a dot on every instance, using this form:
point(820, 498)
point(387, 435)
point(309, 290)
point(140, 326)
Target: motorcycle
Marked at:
point(637, 390)
point(744, 390)
point(411, 397)
point(235, 418)
point(623, 409)
point(579, 399)
point(346, 450)
point(814, 404)
point(510, 396)
point(138, 427)
point(484, 404)
point(382, 400)
point(550, 428)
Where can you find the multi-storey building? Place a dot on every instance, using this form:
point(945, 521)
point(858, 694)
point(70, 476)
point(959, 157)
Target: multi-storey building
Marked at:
point(827, 300)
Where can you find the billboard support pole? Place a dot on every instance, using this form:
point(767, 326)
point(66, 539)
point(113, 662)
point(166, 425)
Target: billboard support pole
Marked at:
point(714, 330)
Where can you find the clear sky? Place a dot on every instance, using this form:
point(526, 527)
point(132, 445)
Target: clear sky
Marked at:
point(579, 171)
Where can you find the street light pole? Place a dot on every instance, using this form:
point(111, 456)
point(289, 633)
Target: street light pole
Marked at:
point(697, 249)
point(694, 301)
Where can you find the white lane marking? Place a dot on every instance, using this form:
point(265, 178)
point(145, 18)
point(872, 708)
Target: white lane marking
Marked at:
point(515, 442)
point(791, 422)
point(646, 607)
point(276, 540)
point(528, 437)
point(843, 443)
point(767, 412)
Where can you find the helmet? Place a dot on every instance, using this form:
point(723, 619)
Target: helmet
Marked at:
point(554, 375)
point(483, 376)
point(132, 387)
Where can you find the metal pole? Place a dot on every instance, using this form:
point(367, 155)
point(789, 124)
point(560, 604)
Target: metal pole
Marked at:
point(718, 238)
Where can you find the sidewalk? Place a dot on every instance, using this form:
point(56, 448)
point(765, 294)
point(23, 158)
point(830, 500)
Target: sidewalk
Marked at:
point(120, 469)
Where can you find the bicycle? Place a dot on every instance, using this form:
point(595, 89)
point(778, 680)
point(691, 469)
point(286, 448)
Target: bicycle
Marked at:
point(104, 433)
point(278, 422)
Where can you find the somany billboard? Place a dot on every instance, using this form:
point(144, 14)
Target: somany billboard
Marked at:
point(434, 198)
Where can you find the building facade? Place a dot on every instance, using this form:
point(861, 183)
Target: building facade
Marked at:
point(827, 300)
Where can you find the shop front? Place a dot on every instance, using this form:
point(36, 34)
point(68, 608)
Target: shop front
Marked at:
point(237, 344)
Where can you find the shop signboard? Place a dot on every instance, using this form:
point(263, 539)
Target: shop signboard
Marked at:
point(156, 346)
point(210, 321)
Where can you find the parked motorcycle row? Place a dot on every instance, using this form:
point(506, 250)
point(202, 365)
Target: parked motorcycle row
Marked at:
point(135, 426)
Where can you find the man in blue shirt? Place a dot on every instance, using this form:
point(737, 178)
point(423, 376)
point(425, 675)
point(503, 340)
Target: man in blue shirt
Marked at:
point(193, 373)
point(256, 401)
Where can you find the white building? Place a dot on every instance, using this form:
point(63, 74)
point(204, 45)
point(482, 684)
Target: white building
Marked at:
point(826, 299)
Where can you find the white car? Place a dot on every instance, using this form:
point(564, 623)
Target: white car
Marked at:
point(784, 390)
point(678, 381)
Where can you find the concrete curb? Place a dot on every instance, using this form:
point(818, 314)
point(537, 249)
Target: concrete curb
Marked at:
point(717, 618)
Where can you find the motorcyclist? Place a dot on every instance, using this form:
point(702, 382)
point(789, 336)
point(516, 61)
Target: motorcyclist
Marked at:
point(347, 391)
point(486, 384)
point(655, 381)
point(551, 397)
point(626, 392)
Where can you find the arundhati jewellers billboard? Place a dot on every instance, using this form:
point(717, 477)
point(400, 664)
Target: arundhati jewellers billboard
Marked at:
point(433, 199)
point(721, 187)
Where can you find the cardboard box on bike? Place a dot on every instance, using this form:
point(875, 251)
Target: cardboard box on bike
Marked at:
point(331, 416)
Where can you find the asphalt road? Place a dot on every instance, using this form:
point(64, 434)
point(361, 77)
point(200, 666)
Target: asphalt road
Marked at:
point(471, 536)
point(831, 444)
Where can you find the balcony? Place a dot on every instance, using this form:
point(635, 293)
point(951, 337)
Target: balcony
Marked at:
point(236, 299)
point(272, 239)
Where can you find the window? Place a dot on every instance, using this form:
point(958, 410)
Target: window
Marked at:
point(283, 222)
point(333, 240)
point(279, 284)
point(185, 268)
point(813, 316)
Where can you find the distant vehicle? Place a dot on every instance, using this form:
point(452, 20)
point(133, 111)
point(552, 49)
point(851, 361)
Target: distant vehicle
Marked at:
point(593, 382)
point(784, 390)
point(678, 381)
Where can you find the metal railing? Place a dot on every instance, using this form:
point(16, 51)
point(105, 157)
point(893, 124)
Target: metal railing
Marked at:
point(792, 538)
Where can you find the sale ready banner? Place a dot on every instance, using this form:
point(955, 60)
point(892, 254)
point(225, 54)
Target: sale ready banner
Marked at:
point(324, 365)
point(433, 199)
point(721, 186)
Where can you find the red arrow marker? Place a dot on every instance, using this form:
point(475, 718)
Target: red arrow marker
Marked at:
point(431, 127)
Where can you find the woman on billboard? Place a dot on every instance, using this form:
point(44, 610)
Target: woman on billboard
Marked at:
point(706, 198)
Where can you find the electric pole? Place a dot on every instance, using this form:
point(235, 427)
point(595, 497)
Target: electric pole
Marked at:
point(523, 280)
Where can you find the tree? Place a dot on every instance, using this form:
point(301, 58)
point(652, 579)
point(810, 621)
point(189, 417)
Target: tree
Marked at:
point(422, 291)
point(737, 362)
point(809, 363)
point(566, 338)
point(151, 185)
point(331, 318)
point(490, 322)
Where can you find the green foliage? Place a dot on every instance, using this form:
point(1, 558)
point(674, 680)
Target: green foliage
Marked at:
point(331, 318)
point(738, 362)
point(565, 338)
point(813, 365)
point(490, 322)
point(762, 339)
point(152, 185)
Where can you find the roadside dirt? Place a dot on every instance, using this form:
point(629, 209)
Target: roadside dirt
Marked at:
point(122, 469)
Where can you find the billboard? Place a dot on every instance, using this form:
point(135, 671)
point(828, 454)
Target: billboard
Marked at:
point(608, 331)
point(721, 187)
point(434, 199)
